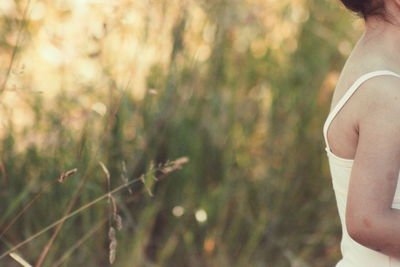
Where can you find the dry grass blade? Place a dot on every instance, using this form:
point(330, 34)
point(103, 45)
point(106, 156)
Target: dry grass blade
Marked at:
point(45, 188)
point(46, 249)
point(105, 170)
point(69, 215)
point(85, 177)
point(66, 217)
point(114, 218)
point(19, 259)
point(113, 206)
point(108, 176)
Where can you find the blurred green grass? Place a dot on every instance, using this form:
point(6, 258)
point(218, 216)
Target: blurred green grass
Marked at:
point(241, 88)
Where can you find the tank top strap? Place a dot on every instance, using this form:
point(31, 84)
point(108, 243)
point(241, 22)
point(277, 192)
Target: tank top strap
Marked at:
point(347, 96)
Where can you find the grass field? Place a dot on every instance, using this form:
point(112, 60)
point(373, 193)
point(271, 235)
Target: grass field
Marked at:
point(204, 117)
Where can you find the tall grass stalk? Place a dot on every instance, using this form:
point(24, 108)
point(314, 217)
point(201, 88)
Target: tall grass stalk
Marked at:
point(66, 217)
point(75, 246)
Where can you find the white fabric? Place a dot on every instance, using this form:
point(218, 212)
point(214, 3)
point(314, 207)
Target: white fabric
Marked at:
point(353, 253)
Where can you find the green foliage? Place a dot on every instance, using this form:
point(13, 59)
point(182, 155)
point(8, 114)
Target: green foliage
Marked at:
point(249, 119)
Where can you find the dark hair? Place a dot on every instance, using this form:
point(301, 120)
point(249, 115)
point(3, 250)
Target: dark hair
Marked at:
point(366, 8)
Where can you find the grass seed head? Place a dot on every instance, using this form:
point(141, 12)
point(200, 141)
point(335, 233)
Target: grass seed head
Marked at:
point(113, 245)
point(67, 174)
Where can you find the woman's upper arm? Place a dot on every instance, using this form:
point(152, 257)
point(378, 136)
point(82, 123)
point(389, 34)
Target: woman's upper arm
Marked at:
point(376, 164)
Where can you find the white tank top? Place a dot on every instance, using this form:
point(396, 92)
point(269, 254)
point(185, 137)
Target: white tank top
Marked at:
point(353, 253)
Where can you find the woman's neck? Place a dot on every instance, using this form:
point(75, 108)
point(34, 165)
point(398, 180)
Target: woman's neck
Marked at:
point(382, 36)
point(386, 29)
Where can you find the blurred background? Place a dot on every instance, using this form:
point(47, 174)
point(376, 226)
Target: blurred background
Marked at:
point(206, 114)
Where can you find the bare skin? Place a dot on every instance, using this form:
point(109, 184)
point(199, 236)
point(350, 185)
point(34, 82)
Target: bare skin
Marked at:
point(367, 130)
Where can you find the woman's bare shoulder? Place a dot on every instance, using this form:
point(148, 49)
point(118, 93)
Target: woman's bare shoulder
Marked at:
point(379, 94)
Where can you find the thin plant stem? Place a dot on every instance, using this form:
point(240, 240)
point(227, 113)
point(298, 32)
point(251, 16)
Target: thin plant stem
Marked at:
point(79, 243)
point(68, 216)
point(72, 202)
point(26, 207)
